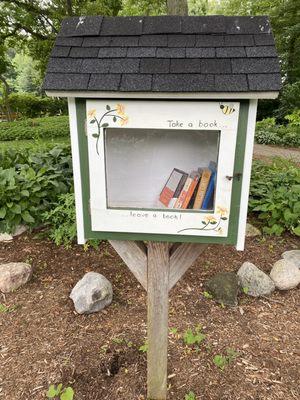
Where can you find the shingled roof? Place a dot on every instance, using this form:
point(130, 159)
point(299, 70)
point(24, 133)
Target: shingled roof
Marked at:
point(164, 54)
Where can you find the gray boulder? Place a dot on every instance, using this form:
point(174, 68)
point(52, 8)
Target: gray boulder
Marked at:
point(285, 274)
point(224, 288)
point(252, 231)
point(92, 293)
point(254, 280)
point(293, 256)
point(13, 275)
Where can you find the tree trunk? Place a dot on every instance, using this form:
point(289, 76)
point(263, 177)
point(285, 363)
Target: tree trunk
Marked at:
point(5, 98)
point(177, 7)
point(69, 8)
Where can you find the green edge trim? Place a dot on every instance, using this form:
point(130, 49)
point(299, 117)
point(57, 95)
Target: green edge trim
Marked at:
point(235, 196)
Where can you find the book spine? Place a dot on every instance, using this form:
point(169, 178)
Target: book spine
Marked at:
point(209, 192)
point(190, 192)
point(202, 189)
point(178, 191)
point(183, 193)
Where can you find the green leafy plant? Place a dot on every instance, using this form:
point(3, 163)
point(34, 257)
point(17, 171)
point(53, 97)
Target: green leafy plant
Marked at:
point(221, 361)
point(268, 132)
point(7, 309)
point(49, 127)
point(207, 295)
point(144, 347)
point(190, 396)
point(59, 392)
point(62, 220)
point(191, 337)
point(30, 188)
point(275, 196)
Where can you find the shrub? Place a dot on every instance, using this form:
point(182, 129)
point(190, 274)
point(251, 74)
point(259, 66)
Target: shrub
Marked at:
point(275, 196)
point(48, 127)
point(30, 186)
point(267, 132)
point(31, 106)
point(62, 220)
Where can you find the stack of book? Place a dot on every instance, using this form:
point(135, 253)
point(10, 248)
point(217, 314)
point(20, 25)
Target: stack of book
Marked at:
point(194, 191)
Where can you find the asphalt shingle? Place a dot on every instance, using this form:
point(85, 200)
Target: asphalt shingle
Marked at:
point(249, 25)
point(119, 26)
point(81, 26)
point(141, 52)
point(261, 51)
point(162, 24)
point(230, 52)
point(68, 41)
point(83, 52)
point(64, 65)
point(112, 52)
point(185, 65)
point(104, 82)
point(183, 83)
point(90, 65)
point(125, 41)
point(136, 83)
point(153, 40)
point(96, 41)
point(181, 40)
point(200, 52)
point(124, 65)
point(66, 81)
point(262, 82)
point(209, 40)
point(238, 40)
point(264, 40)
point(154, 65)
point(231, 83)
point(207, 24)
point(60, 51)
point(216, 66)
point(172, 52)
point(254, 65)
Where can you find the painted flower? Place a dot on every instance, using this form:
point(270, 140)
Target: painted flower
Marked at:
point(124, 120)
point(92, 113)
point(220, 231)
point(210, 219)
point(222, 211)
point(120, 109)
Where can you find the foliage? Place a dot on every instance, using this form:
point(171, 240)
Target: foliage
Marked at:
point(191, 337)
point(275, 196)
point(7, 309)
point(27, 77)
point(59, 392)
point(143, 7)
point(30, 188)
point(31, 106)
point(62, 220)
point(144, 347)
point(267, 132)
point(222, 361)
point(207, 295)
point(190, 396)
point(48, 127)
point(289, 99)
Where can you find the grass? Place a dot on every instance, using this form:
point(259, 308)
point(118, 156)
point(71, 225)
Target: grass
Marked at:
point(31, 143)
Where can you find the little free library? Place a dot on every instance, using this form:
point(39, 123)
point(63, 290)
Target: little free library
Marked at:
point(162, 118)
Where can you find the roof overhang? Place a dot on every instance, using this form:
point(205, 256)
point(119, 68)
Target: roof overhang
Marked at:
point(162, 95)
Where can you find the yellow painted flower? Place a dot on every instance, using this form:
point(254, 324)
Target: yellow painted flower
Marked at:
point(210, 219)
point(92, 113)
point(120, 109)
point(222, 211)
point(124, 120)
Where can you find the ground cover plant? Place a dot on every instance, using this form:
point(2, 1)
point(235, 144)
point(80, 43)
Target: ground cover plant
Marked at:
point(275, 196)
point(35, 128)
point(268, 132)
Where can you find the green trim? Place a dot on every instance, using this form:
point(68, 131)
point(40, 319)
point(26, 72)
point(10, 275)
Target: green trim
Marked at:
point(235, 197)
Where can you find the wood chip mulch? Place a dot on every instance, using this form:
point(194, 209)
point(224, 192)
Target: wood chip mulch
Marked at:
point(43, 341)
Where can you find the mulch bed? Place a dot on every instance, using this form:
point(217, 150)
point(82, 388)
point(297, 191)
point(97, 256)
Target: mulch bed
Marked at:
point(43, 341)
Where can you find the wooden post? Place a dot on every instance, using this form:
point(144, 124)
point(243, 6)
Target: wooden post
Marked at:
point(158, 288)
point(157, 267)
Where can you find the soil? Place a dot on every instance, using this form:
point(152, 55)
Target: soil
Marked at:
point(265, 152)
point(43, 341)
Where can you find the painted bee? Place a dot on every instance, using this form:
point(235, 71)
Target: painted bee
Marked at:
point(227, 109)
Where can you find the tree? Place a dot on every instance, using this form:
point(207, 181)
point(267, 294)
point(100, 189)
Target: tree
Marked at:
point(4, 66)
point(177, 7)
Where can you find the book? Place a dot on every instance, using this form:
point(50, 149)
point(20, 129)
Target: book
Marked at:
point(192, 201)
point(195, 175)
point(170, 187)
point(208, 198)
point(183, 193)
point(178, 190)
point(204, 181)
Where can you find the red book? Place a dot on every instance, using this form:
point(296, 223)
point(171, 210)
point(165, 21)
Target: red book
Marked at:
point(170, 187)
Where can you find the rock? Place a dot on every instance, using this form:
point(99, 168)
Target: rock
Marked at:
point(285, 274)
point(5, 237)
point(224, 288)
point(19, 230)
point(256, 281)
point(293, 256)
point(252, 231)
point(92, 293)
point(13, 275)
